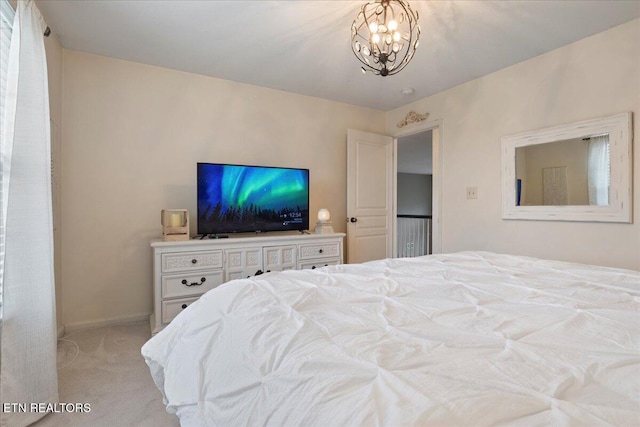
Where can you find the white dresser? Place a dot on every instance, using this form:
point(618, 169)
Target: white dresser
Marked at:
point(184, 270)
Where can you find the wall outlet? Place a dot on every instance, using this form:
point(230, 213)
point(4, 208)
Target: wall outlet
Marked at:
point(472, 192)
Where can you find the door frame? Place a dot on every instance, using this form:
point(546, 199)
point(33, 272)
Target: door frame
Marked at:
point(436, 222)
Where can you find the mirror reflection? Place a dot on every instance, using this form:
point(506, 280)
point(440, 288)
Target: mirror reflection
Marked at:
point(561, 173)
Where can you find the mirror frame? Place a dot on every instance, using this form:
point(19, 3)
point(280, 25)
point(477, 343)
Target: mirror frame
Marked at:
point(620, 148)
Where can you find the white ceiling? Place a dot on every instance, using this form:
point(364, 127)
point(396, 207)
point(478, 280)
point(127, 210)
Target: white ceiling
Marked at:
point(304, 46)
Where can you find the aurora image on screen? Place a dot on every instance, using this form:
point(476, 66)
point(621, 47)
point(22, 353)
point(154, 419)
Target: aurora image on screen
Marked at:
point(237, 198)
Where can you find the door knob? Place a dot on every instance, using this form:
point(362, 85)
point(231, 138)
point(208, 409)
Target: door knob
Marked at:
point(354, 219)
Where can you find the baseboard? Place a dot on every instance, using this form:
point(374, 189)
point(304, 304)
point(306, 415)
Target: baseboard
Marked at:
point(75, 327)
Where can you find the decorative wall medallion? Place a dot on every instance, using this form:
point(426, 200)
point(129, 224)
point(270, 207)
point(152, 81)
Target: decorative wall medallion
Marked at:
point(412, 117)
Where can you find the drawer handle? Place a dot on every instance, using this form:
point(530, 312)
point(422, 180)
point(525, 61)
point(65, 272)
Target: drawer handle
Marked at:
point(320, 251)
point(202, 280)
point(184, 306)
point(193, 261)
point(259, 272)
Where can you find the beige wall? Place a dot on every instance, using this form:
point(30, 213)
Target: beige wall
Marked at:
point(132, 136)
point(594, 77)
point(414, 194)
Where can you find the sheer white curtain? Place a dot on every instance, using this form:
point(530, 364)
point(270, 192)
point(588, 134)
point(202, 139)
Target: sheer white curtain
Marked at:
point(598, 170)
point(28, 331)
point(6, 24)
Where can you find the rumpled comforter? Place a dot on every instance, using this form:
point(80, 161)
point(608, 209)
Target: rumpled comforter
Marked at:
point(465, 339)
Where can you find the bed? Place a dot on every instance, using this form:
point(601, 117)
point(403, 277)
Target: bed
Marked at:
point(470, 338)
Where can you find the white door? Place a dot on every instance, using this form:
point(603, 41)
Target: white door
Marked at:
point(370, 181)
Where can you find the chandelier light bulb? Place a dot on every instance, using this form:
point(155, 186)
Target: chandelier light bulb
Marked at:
point(376, 34)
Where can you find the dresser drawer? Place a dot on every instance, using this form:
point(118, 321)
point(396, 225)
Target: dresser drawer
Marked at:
point(218, 261)
point(317, 263)
point(172, 308)
point(187, 261)
point(190, 283)
point(320, 250)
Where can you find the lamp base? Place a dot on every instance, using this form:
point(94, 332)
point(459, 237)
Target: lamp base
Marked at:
point(323, 227)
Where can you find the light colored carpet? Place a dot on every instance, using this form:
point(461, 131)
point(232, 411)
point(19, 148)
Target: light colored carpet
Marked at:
point(103, 367)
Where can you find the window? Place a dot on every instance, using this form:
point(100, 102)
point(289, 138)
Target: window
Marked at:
point(599, 170)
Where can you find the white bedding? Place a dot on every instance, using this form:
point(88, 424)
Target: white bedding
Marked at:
point(472, 338)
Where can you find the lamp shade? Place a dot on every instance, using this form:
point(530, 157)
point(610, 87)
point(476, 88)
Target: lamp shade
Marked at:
point(324, 215)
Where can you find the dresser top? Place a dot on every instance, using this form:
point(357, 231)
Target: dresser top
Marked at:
point(247, 238)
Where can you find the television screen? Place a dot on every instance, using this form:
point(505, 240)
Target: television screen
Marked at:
point(237, 198)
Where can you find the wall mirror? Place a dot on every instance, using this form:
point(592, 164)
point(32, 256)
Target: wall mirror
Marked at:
point(575, 172)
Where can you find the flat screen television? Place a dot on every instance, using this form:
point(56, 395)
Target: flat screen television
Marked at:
point(242, 198)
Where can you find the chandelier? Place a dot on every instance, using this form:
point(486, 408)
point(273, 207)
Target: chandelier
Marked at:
point(384, 36)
